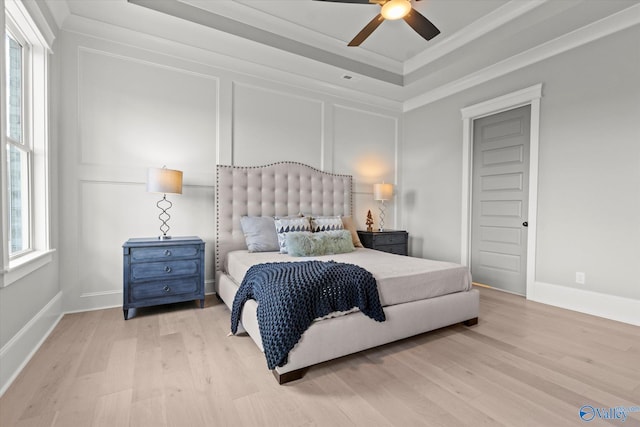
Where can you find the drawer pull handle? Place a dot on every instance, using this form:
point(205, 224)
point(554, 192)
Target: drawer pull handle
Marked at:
point(166, 288)
point(167, 269)
point(167, 253)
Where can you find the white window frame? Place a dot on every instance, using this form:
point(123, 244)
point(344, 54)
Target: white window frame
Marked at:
point(36, 137)
point(26, 142)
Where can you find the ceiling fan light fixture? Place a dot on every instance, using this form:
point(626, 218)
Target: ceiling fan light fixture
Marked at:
point(395, 9)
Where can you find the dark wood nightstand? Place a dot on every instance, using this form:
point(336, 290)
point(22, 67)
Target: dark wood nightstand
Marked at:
point(162, 271)
point(392, 241)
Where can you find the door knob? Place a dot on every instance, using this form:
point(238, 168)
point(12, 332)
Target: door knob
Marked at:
point(525, 224)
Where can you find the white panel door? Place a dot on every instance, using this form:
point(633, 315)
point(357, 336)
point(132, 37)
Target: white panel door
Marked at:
point(499, 199)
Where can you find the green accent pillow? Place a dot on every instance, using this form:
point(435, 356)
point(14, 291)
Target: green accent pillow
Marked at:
point(321, 243)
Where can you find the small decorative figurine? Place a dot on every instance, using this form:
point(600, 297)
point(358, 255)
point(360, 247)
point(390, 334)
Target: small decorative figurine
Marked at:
point(369, 221)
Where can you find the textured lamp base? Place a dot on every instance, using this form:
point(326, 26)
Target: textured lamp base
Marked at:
point(381, 209)
point(164, 205)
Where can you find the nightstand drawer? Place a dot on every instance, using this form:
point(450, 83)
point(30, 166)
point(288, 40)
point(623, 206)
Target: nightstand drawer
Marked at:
point(157, 254)
point(163, 270)
point(389, 239)
point(164, 288)
point(400, 249)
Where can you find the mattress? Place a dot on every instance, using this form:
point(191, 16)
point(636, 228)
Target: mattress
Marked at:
point(400, 278)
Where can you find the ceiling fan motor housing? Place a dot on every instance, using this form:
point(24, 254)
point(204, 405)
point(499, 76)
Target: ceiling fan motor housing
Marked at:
point(395, 9)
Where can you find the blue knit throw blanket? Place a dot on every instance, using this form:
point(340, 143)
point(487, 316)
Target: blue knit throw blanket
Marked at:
point(291, 295)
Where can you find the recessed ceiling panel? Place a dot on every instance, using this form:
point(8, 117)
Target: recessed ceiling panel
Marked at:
point(309, 38)
point(393, 39)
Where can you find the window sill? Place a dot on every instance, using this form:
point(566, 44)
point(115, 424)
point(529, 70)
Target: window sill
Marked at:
point(25, 265)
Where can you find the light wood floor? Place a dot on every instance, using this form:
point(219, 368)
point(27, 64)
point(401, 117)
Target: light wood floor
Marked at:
point(523, 364)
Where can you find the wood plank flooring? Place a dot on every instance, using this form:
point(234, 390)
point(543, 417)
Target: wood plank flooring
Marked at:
point(524, 364)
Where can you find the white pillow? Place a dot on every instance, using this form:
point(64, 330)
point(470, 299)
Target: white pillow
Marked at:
point(260, 233)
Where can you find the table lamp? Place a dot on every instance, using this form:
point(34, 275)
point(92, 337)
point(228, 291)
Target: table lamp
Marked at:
point(165, 181)
point(382, 192)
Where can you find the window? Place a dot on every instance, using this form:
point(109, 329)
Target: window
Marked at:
point(18, 145)
point(25, 134)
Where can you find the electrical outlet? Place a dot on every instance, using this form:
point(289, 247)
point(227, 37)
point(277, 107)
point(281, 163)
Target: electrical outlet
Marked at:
point(580, 277)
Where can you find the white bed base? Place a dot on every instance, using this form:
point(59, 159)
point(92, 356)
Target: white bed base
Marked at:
point(339, 336)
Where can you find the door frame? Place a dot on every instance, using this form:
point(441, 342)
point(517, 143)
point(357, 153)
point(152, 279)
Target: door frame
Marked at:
point(528, 96)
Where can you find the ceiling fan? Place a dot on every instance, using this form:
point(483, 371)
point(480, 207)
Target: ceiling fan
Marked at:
point(393, 9)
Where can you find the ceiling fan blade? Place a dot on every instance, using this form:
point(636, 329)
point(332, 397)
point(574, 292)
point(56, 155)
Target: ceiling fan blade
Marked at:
point(421, 25)
point(367, 30)
point(348, 1)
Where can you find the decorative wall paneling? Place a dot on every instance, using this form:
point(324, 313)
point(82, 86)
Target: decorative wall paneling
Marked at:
point(125, 108)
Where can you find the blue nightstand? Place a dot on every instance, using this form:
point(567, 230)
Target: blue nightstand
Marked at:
point(162, 271)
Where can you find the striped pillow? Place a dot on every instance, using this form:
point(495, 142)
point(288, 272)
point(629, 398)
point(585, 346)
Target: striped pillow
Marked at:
point(326, 223)
point(290, 225)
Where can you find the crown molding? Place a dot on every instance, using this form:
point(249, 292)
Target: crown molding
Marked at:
point(59, 10)
point(612, 24)
point(29, 16)
point(477, 29)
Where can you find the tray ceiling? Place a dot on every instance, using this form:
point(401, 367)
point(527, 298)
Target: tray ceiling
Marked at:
point(292, 35)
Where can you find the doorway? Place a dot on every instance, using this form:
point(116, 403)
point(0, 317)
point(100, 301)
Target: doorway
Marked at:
point(529, 98)
point(499, 200)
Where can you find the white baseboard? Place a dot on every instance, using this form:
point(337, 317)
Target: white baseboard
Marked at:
point(16, 353)
point(209, 286)
point(110, 299)
point(612, 307)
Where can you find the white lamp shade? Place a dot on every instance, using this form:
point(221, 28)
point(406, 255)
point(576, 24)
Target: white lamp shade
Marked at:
point(163, 180)
point(382, 191)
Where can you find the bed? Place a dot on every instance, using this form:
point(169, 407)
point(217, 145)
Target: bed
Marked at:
point(417, 295)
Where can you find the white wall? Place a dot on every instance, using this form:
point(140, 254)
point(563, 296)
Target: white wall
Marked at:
point(127, 107)
point(589, 174)
point(32, 305)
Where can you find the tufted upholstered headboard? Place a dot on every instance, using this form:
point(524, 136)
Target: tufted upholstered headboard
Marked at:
point(279, 189)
